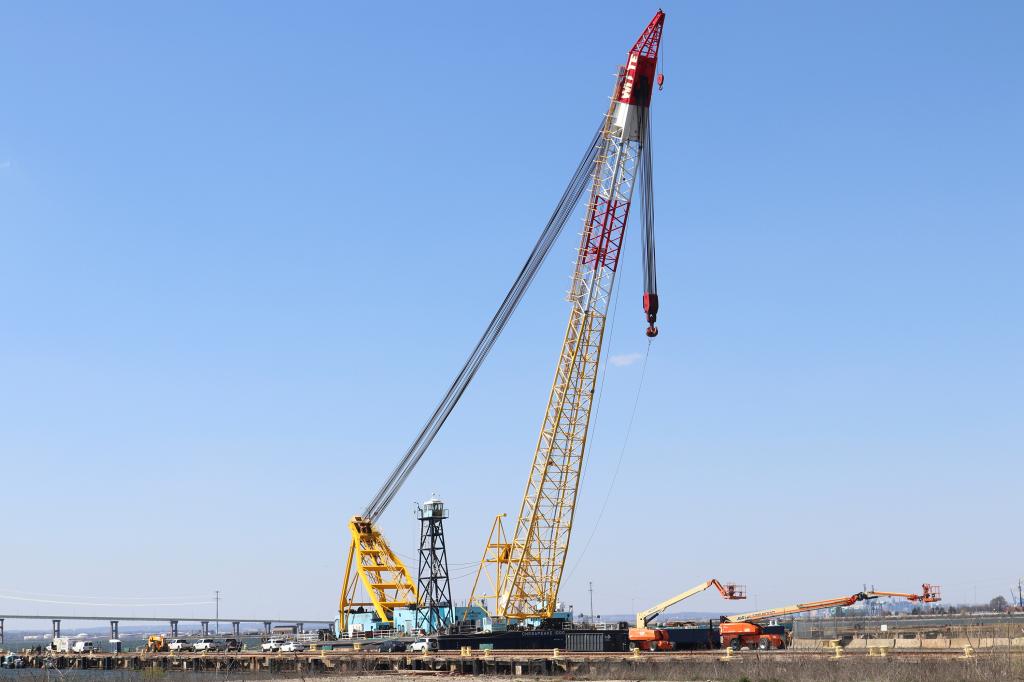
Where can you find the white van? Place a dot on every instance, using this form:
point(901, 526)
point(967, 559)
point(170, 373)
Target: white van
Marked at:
point(84, 646)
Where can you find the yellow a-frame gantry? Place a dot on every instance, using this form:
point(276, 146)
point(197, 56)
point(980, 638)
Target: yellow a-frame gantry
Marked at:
point(382, 574)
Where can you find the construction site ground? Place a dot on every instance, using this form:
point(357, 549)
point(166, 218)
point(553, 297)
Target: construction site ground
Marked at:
point(797, 664)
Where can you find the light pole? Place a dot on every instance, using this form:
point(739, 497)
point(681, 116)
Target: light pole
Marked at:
point(591, 602)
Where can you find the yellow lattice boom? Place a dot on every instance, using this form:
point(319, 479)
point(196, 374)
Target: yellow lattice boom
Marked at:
point(540, 541)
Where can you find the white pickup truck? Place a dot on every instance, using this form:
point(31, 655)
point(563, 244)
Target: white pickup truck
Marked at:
point(206, 644)
point(179, 645)
point(273, 644)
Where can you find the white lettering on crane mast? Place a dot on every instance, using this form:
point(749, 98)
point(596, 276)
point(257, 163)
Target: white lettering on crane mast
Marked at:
point(627, 85)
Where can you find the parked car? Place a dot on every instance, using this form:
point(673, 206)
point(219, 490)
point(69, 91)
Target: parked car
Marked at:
point(12, 661)
point(389, 646)
point(424, 644)
point(179, 645)
point(272, 644)
point(232, 645)
point(293, 646)
point(206, 644)
point(83, 646)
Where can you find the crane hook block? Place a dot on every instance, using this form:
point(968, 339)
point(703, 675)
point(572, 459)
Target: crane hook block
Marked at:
point(651, 306)
point(661, 81)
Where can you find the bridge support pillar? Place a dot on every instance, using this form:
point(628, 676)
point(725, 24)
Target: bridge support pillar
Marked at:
point(298, 628)
point(114, 630)
point(266, 627)
point(236, 628)
point(206, 627)
point(56, 628)
point(174, 629)
point(1, 630)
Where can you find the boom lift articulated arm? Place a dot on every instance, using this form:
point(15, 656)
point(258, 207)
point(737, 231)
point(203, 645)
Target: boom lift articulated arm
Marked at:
point(796, 608)
point(728, 591)
point(929, 593)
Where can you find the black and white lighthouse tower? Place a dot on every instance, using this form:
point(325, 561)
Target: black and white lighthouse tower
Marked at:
point(435, 593)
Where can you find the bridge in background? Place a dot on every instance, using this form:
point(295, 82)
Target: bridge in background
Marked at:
point(115, 621)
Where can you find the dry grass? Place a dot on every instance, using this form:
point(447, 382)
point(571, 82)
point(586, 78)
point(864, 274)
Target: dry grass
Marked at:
point(984, 668)
point(780, 669)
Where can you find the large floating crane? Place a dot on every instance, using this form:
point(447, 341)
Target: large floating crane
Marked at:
point(617, 158)
point(540, 541)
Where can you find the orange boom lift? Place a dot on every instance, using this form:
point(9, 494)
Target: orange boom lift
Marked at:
point(743, 630)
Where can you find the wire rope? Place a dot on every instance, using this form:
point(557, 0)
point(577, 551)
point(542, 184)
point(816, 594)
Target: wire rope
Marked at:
point(566, 205)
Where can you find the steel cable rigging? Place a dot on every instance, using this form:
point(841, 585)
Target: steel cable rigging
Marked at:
point(646, 181)
point(566, 205)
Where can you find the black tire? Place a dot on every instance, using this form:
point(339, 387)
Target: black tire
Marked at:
point(735, 644)
point(782, 645)
point(765, 644)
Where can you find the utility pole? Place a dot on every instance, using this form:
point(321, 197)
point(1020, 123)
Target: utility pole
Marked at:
point(1020, 593)
point(216, 620)
point(591, 602)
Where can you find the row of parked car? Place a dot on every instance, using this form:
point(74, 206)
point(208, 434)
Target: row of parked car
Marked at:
point(214, 644)
point(420, 645)
point(204, 644)
point(281, 644)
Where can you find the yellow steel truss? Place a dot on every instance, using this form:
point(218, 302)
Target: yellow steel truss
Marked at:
point(382, 574)
point(493, 566)
point(540, 541)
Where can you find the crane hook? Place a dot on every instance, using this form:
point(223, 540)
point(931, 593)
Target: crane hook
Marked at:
point(661, 81)
point(651, 312)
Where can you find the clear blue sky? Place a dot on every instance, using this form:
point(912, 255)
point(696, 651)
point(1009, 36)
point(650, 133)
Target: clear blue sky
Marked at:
point(245, 246)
